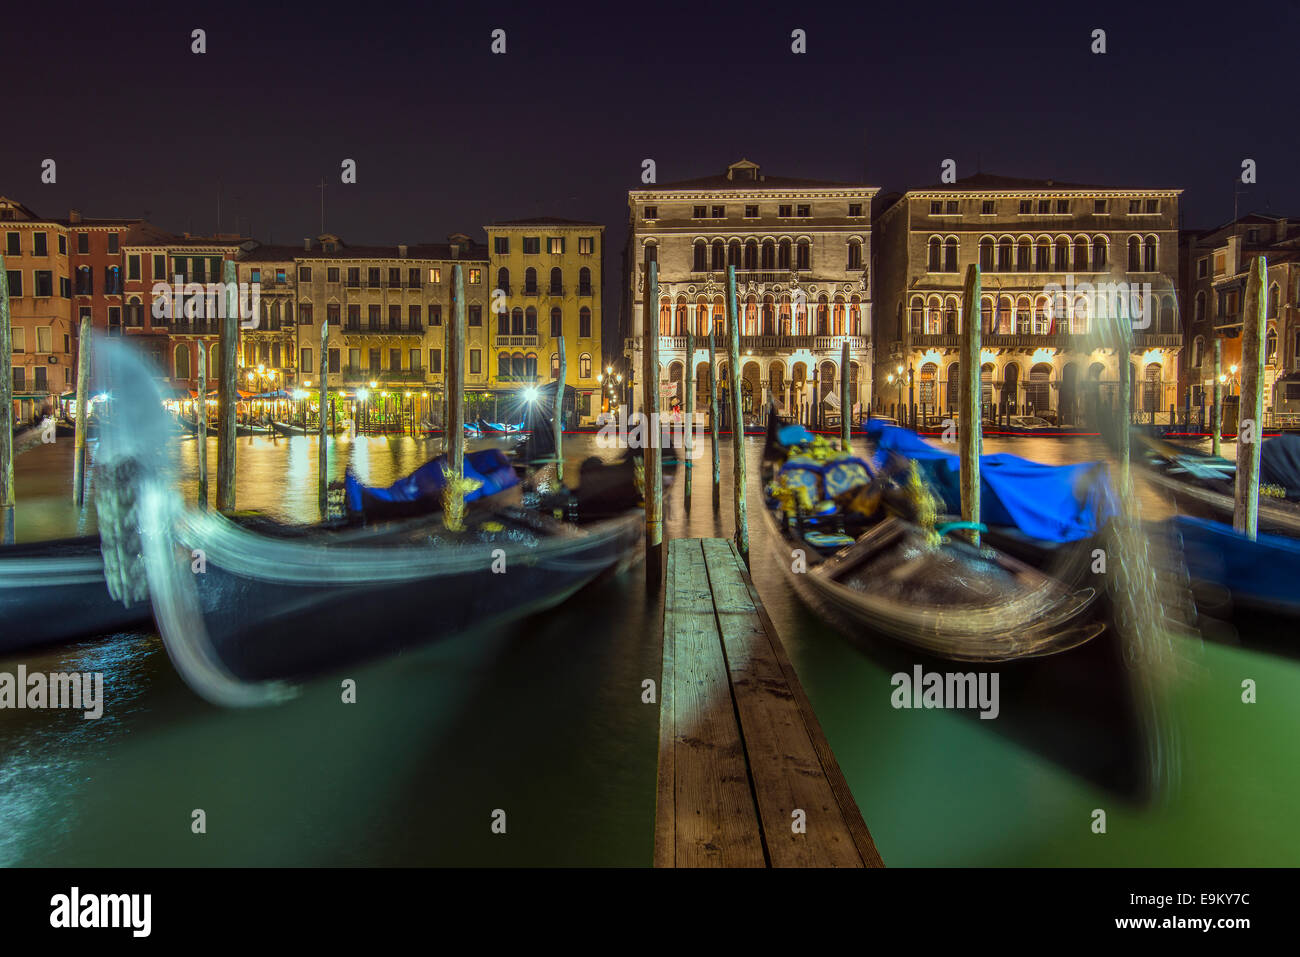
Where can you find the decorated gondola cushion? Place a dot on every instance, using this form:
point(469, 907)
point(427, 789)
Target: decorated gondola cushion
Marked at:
point(799, 472)
point(844, 474)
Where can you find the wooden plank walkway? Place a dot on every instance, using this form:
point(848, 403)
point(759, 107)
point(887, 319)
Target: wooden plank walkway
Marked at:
point(740, 749)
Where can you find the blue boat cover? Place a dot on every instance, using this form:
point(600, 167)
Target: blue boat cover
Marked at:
point(489, 466)
point(1265, 570)
point(793, 434)
point(1055, 503)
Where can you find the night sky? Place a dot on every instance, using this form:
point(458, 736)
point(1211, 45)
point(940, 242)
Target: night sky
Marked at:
point(448, 137)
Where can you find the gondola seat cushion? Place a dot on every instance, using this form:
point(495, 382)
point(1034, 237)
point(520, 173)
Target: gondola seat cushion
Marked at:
point(844, 474)
point(827, 540)
point(805, 473)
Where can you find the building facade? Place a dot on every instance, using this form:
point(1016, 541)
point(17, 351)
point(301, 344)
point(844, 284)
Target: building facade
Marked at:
point(802, 253)
point(1059, 263)
point(37, 264)
point(546, 287)
point(1216, 264)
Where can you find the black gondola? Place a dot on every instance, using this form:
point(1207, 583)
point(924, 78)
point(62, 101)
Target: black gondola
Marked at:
point(911, 581)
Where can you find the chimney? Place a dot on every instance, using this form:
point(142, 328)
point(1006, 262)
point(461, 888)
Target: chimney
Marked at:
point(401, 250)
point(74, 215)
point(1282, 225)
point(306, 244)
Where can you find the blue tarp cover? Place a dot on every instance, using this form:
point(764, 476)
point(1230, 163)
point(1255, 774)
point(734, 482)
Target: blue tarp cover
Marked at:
point(1264, 570)
point(489, 466)
point(1055, 503)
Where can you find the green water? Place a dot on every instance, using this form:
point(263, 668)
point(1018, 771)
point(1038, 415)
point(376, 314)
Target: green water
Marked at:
point(544, 720)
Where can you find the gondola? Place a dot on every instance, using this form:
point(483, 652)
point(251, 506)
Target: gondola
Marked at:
point(1204, 485)
point(1027, 426)
point(275, 605)
point(852, 556)
point(54, 591)
point(292, 429)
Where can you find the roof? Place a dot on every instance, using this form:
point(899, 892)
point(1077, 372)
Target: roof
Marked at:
point(542, 221)
point(746, 175)
point(992, 182)
point(434, 251)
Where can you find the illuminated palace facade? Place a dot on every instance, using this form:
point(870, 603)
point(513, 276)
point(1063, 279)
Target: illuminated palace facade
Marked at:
point(1057, 261)
point(802, 251)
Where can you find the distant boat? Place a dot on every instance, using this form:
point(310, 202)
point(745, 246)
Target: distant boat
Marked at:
point(1028, 425)
point(915, 582)
point(291, 429)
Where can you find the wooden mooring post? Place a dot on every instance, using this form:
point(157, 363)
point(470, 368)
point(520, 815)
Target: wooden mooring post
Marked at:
point(713, 422)
point(737, 417)
point(746, 777)
point(558, 423)
point(846, 407)
point(1250, 411)
point(79, 434)
point(654, 471)
point(322, 449)
point(227, 393)
point(6, 414)
point(969, 427)
point(201, 428)
point(688, 413)
point(454, 348)
point(1216, 412)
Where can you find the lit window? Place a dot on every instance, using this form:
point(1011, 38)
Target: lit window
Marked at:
point(435, 274)
point(475, 276)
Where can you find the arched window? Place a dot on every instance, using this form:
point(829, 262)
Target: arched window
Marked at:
point(1038, 389)
point(1134, 254)
point(530, 321)
point(1149, 254)
point(557, 281)
point(1080, 324)
point(555, 365)
point(584, 323)
point(181, 361)
point(517, 321)
point(855, 254)
point(1099, 254)
point(1023, 249)
point(584, 281)
point(1200, 308)
point(929, 373)
point(719, 255)
point(1167, 314)
point(1081, 253)
point(503, 365)
point(918, 308)
point(1041, 320)
point(855, 318)
point(935, 254)
point(1043, 254)
point(530, 280)
point(783, 255)
point(557, 323)
point(1004, 254)
point(517, 364)
point(950, 317)
point(1004, 316)
point(934, 317)
point(769, 254)
point(1022, 315)
point(1062, 255)
point(950, 255)
point(701, 257)
point(733, 253)
point(1270, 346)
point(503, 280)
point(1274, 297)
point(986, 254)
point(803, 259)
point(584, 366)
point(530, 365)
point(503, 323)
point(986, 314)
point(1198, 351)
point(751, 255)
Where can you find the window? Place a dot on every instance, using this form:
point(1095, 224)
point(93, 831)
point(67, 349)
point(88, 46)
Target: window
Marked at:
point(803, 210)
point(394, 277)
point(557, 324)
point(1025, 208)
point(500, 246)
point(584, 366)
point(20, 379)
point(586, 245)
point(950, 255)
point(413, 278)
point(372, 277)
point(15, 287)
point(1203, 267)
point(39, 247)
point(44, 340)
point(804, 257)
point(584, 323)
point(855, 209)
point(132, 267)
point(1062, 206)
point(936, 207)
point(395, 360)
point(372, 316)
point(13, 244)
point(719, 212)
point(159, 266)
point(435, 361)
point(304, 314)
point(112, 244)
point(557, 282)
point(932, 264)
point(785, 210)
point(651, 212)
point(304, 363)
point(354, 277)
point(855, 254)
point(354, 317)
point(413, 317)
point(112, 281)
point(83, 243)
point(951, 208)
point(333, 313)
point(555, 245)
point(435, 314)
point(475, 361)
point(1152, 206)
point(395, 318)
point(1044, 206)
point(987, 208)
point(555, 366)
point(699, 212)
point(751, 212)
point(44, 282)
point(332, 274)
point(435, 274)
point(1134, 206)
point(1100, 207)
point(475, 276)
point(19, 339)
point(475, 316)
point(63, 245)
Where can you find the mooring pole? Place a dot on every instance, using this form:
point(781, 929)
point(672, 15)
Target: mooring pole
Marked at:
point(654, 469)
point(1245, 507)
point(201, 427)
point(713, 421)
point(1216, 412)
point(454, 347)
point(6, 414)
point(738, 417)
point(83, 384)
point(227, 393)
point(322, 451)
point(846, 405)
point(969, 431)
point(688, 416)
point(558, 423)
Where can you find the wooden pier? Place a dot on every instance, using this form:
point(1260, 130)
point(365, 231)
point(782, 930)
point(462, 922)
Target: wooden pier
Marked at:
point(740, 750)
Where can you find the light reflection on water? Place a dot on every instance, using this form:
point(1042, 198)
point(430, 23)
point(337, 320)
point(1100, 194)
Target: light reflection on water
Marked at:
point(544, 720)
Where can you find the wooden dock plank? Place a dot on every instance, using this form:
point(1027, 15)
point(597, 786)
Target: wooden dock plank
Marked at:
point(784, 764)
point(849, 810)
point(715, 822)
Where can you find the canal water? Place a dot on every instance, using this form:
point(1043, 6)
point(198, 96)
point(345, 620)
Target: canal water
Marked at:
point(544, 720)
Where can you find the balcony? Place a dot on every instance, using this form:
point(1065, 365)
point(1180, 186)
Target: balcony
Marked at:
point(829, 345)
point(585, 291)
point(514, 341)
point(530, 291)
point(555, 291)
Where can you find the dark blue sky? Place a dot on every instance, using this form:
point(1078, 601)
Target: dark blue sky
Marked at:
point(448, 136)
